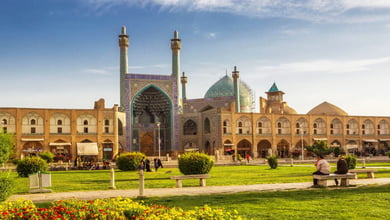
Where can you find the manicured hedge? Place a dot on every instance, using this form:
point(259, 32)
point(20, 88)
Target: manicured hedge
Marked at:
point(129, 161)
point(272, 162)
point(351, 161)
point(30, 165)
point(195, 163)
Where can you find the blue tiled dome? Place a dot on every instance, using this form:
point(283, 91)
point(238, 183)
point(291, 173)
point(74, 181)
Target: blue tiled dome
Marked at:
point(225, 87)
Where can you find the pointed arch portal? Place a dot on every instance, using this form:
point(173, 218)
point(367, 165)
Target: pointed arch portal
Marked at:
point(151, 114)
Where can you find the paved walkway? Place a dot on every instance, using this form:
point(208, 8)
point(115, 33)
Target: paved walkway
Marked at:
point(133, 193)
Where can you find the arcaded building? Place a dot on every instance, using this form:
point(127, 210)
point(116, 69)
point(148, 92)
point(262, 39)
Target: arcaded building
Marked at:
point(67, 133)
point(160, 118)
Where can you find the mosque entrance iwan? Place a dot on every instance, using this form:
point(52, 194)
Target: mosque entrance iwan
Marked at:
point(152, 119)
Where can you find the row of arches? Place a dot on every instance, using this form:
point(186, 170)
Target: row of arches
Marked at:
point(284, 149)
point(60, 123)
point(301, 126)
point(66, 151)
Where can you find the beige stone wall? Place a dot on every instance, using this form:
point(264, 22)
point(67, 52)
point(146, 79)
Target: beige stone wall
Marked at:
point(44, 138)
point(293, 139)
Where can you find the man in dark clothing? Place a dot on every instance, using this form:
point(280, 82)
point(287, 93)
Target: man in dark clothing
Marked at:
point(342, 167)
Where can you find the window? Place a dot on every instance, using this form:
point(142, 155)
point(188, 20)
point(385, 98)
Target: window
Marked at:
point(59, 122)
point(106, 129)
point(207, 126)
point(226, 127)
point(85, 122)
point(106, 122)
point(4, 121)
point(5, 129)
point(33, 130)
point(32, 122)
point(279, 128)
point(190, 127)
point(59, 130)
point(86, 130)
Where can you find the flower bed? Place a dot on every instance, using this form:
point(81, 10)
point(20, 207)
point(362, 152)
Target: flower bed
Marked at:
point(113, 208)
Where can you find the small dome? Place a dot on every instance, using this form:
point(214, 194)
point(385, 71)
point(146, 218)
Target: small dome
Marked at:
point(225, 87)
point(290, 111)
point(326, 108)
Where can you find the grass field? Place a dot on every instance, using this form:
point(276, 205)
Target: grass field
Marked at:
point(370, 203)
point(63, 181)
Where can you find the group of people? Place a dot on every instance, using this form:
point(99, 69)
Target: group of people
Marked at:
point(145, 164)
point(323, 168)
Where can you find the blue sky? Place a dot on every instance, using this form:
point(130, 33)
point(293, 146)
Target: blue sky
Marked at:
point(64, 53)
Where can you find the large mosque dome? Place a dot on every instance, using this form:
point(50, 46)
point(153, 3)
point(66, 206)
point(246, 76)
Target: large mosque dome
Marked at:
point(225, 87)
point(326, 108)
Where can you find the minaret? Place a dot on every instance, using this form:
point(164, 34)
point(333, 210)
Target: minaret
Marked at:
point(236, 75)
point(183, 86)
point(124, 64)
point(176, 46)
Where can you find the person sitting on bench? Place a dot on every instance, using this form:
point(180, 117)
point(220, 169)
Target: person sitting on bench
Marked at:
point(323, 168)
point(342, 167)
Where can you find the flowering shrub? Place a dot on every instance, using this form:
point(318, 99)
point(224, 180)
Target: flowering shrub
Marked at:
point(112, 208)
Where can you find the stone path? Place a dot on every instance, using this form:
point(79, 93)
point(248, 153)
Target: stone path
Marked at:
point(133, 193)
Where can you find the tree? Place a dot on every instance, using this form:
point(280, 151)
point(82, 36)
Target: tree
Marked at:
point(319, 148)
point(7, 142)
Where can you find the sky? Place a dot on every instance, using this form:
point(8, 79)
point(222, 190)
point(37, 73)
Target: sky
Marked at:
point(65, 54)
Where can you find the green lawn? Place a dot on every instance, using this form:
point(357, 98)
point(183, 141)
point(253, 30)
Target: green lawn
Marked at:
point(350, 203)
point(222, 175)
point(369, 202)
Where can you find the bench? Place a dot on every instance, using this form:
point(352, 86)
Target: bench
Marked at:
point(202, 179)
point(370, 172)
point(323, 179)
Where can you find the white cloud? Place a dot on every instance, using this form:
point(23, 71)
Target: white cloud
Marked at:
point(324, 66)
point(211, 35)
point(97, 71)
point(313, 10)
point(106, 71)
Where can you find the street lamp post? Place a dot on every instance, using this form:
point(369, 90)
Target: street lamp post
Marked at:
point(158, 139)
point(302, 141)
